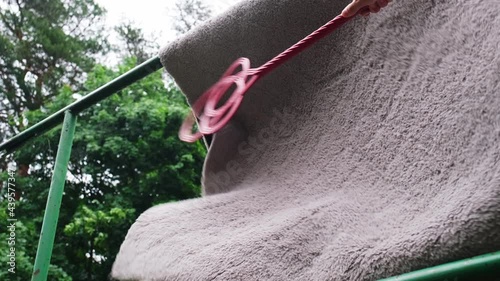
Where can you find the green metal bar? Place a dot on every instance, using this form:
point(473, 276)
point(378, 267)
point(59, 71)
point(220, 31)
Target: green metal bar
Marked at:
point(485, 266)
point(94, 97)
point(51, 216)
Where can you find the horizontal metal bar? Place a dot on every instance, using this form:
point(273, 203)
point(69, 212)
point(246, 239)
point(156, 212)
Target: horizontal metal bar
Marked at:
point(485, 266)
point(87, 101)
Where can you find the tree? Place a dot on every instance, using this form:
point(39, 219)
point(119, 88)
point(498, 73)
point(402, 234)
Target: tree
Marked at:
point(43, 46)
point(136, 45)
point(126, 158)
point(190, 13)
point(126, 155)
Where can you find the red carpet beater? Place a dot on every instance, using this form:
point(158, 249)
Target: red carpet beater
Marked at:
point(212, 119)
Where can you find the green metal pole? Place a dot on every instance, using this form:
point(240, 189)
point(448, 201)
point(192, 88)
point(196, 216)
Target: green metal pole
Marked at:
point(87, 101)
point(48, 233)
point(473, 269)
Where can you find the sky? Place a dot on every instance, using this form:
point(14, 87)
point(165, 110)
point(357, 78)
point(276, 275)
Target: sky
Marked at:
point(153, 16)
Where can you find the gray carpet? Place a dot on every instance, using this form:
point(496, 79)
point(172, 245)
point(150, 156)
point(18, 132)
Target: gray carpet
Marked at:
point(374, 153)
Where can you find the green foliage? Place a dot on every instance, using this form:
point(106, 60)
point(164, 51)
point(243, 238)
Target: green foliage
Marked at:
point(126, 158)
point(91, 234)
point(24, 246)
point(126, 155)
point(44, 45)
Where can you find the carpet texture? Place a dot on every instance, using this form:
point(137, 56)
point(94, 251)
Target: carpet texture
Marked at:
point(374, 153)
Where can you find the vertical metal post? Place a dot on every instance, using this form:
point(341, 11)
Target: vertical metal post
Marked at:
point(51, 216)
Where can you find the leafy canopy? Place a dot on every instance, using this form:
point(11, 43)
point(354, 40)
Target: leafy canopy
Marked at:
point(126, 158)
point(44, 45)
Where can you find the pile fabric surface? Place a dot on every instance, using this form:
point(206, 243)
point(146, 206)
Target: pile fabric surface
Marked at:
point(374, 153)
